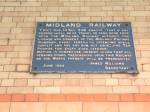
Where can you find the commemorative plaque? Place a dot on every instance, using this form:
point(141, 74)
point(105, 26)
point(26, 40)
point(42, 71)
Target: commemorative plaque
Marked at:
point(83, 47)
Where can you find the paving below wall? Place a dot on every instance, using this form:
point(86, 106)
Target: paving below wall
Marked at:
point(75, 107)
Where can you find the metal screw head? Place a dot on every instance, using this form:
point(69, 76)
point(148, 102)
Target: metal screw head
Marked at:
point(40, 24)
point(126, 24)
point(35, 68)
point(132, 68)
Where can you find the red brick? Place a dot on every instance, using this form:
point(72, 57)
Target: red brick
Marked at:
point(148, 98)
point(72, 97)
point(86, 97)
point(140, 97)
point(113, 97)
point(58, 97)
point(126, 97)
point(5, 98)
point(31, 97)
point(45, 97)
point(17, 97)
point(100, 97)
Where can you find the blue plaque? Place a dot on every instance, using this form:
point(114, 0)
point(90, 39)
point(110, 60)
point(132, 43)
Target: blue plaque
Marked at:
point(83, 47)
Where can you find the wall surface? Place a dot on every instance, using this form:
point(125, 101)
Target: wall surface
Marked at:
point(17, 27)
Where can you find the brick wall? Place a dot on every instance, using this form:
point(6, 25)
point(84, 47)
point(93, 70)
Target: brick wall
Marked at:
point(17, 26)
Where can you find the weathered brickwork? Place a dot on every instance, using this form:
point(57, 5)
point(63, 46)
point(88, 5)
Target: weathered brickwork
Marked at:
point(17, 25)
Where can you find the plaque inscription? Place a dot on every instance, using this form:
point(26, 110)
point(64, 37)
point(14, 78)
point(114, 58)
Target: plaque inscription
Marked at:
point(95, 47)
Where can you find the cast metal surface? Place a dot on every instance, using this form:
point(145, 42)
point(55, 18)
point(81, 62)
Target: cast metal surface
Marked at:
point(86, 47)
